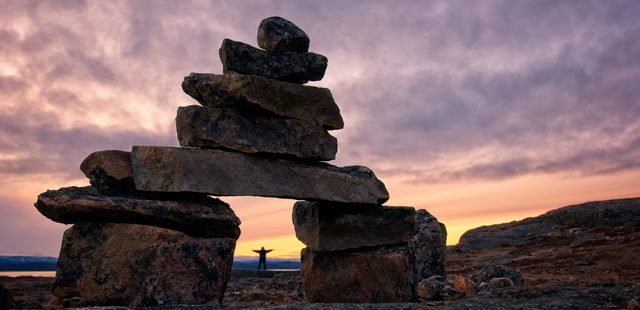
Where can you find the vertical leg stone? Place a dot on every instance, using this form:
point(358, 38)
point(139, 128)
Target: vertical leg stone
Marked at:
point(380, 275)
point(137, 265)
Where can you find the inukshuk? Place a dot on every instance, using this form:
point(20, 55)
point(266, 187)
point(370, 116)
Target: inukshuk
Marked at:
point(148, 233)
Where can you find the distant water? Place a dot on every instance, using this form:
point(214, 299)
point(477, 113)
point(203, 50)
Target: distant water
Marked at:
point(49, 274)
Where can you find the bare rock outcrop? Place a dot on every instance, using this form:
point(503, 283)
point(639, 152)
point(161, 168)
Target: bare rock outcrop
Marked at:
point(620, 212)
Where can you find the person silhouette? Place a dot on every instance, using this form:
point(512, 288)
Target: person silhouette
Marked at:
point(263, 257)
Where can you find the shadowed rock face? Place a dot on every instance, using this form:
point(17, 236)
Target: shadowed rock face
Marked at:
point(238, 57)
point(200, 216)
point(109, 171)
point(138, 265)
point(278, 34)
point(260, 95)
point(429, 241)
point(325, 226)
point(220, 173)
point(380, 275)
point(231, 129)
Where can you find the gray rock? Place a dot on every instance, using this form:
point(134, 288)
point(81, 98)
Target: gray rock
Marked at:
point(429, 241)
point(278, 34)
point(327, 226)
point(229, 128)
point(138, 265)
point(109, 171)
point(220, 173)
point(620, 212)
point(200, 216)
point(238, 57)
point(437, 288)
point(260, 95)
point(378, 275)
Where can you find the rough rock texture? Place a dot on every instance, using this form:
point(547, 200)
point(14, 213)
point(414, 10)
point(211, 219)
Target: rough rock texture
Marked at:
point(378, 275)
point(137, 265)
point(220, 173)
point(262, 95)
point(429, 241)
point(200, 216)
point(278, 34)
point(625, 212)
point(326, 226)
point(238, 57)
point(109, 171)
point(436, 288)
point(492, 271)
point(230, 128)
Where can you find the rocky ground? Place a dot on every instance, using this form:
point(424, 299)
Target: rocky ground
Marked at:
point(568, 268)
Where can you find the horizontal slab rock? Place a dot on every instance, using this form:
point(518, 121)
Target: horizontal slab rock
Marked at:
point(380, 275)
point(238, 57)
point(260, 95)
point(222, 173)
point(138, 265)
point(109, 171)
point(278, 34)
point(229, 128)
point(200, 217)
point(327, 226)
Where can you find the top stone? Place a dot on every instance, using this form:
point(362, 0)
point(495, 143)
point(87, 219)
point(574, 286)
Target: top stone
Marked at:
point(278, 34)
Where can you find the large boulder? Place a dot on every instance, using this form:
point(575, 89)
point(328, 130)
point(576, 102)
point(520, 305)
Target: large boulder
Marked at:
point(619, 212)
point(429, 241)
point(378, 275)
point(327, 226)
point(261, 95)
point(137, 265)
point(278, 34)
point(238, 57)
point(109, 171)
point(231, 129)
point(222, 173)
point(199, 216)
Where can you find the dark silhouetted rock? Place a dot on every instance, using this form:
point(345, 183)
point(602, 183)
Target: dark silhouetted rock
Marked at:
point(278, 34)
point(327, 226)
point(109, 171)
point(6, 297)
point(429, 241)
point(221, 173)
point(620, 212)
point(138, 265)
point(261, 95)
point(201, 216)
point(229, 128)
point(238, 57)
point(379, 275)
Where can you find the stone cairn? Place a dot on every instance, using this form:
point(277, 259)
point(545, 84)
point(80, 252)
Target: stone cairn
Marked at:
point(147, 233)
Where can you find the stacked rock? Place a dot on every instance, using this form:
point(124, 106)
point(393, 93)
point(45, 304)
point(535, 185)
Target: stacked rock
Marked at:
point(258, 131)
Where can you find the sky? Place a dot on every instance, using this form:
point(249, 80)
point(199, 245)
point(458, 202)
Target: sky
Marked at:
point(480, 112)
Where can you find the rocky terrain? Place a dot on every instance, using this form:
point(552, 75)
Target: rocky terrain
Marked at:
point(586, 257)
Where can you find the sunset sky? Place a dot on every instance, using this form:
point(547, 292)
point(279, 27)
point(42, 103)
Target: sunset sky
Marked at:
point(480, 112)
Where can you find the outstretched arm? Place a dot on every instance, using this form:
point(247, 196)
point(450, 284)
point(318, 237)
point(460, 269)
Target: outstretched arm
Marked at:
point(268, 250)
point(256, 251)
